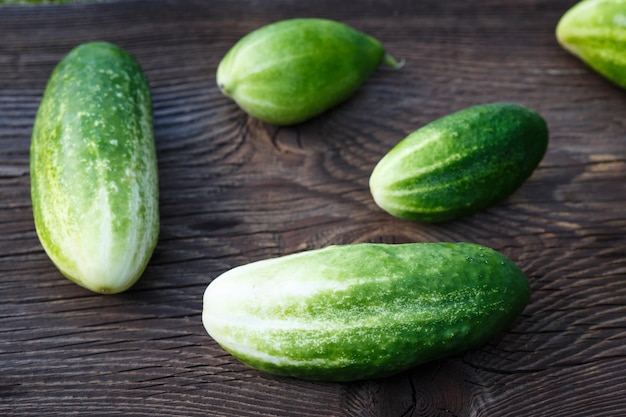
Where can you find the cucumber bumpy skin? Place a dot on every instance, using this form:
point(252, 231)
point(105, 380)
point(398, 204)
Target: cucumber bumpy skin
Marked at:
point(363, 311)
point(292, 70)
point(461, 163)
point(595, 32)
point(94, 183)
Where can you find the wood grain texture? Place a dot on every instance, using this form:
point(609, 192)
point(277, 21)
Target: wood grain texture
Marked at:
point(235, 190)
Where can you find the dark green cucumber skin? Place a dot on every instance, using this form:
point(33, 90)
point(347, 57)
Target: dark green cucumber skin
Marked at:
point(385, 308)
point(481, 156)
point(93, 136)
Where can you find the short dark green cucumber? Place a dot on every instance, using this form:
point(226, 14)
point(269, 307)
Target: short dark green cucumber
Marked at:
point(461, 163)
point(94, 179)
point(363, 311)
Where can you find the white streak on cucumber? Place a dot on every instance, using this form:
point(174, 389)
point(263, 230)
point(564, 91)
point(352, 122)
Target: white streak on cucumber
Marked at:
point(243, 97)
point(93, 169)
point(396, 206)
point(423, 170)
point(403, 153)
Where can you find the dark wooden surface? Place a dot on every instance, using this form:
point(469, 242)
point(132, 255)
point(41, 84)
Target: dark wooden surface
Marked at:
point(234, 190)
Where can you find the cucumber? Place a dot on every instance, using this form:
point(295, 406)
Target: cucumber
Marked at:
point(461, 163)
point(595, 32)
point(292, 70)
point(363, 311)
point(94, 184)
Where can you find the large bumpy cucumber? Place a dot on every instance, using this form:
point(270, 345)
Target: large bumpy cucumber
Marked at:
point(289, 71)
point(365, 310)
point(94, 169)
point(595, 31)
point(461, 163)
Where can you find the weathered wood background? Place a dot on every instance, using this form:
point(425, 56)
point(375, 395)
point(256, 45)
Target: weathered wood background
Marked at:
point(234, 190)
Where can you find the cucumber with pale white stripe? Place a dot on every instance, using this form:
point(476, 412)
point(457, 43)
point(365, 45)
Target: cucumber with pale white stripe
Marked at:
point(363, 311)
point(94, 182)
point(595, 32)
point(290, 71)
point(461, 163)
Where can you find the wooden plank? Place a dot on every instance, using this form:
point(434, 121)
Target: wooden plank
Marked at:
point(234, 190)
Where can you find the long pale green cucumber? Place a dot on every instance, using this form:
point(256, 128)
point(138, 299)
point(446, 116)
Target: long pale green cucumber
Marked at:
point(94, 180)
point(364, 310)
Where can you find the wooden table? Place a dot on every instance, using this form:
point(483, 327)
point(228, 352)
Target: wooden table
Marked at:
point(234, 190)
